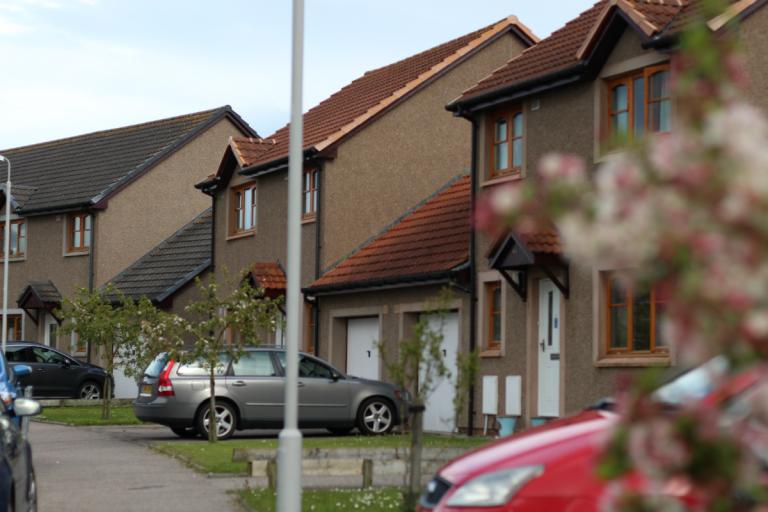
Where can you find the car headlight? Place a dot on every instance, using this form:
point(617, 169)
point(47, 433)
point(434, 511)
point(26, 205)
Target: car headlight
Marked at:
point(493, 489)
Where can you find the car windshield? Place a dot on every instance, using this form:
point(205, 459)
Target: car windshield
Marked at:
point(693, 384)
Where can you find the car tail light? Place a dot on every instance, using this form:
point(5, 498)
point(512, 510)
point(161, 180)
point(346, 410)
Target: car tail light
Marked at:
point(164, 385)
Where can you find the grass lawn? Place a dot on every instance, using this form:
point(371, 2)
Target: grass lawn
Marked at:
point(217, 458)
point(320, 500)
point(88, 415)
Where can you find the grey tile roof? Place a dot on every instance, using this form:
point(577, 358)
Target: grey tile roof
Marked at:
point(80, 171)
point(171, 264)
point(46, 291)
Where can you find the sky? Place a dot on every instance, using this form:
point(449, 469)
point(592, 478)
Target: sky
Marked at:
point(76, 66)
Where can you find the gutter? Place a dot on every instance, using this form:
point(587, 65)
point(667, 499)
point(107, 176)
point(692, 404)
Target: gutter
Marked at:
point(387, 282)
point(91, 251)
point(279, 164)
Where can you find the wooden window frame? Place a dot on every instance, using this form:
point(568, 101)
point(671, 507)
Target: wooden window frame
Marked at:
point(15, 322)
point(309, 209)
point(628, 81)
point(71, 247)
point(235, 207)
point(509, 117)
point(309, 325)
point(14, 255)
point(491, 287)
point(629, 300)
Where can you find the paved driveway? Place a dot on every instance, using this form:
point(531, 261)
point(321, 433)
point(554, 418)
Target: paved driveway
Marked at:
point(112, 469)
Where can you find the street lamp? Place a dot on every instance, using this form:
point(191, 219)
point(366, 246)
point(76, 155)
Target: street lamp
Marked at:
point(6, 250)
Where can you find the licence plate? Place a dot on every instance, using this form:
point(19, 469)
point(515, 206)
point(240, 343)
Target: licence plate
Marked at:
point(146, 389)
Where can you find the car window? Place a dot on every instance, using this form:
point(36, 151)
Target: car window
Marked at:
point(254, 364)
point(309, 368)
point(156, 366)
point(19, 355)
point(43, 355)
point(198, 367)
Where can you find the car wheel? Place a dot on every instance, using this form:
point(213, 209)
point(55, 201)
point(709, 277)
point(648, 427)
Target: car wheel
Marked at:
point(225, 420)
point(184, 431)
point(375, 417)
point(89, 390)
point(32, 493)
point(340, 431)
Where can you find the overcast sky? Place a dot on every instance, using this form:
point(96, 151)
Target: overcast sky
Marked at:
point(75, 66)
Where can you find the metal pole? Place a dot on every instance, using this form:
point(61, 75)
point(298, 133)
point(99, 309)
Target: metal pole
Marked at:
point(6, 250)
point(289, 448)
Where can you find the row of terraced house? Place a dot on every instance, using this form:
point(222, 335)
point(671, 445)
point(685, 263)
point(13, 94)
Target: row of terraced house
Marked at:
point(393, 165)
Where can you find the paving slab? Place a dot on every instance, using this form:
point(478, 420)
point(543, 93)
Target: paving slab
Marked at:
point(82, 469)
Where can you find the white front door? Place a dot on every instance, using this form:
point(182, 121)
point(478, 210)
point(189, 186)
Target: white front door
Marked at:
point(548, 348)
point(362, 352)
point(440, 413)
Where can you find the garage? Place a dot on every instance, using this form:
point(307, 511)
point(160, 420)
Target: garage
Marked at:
point(362, 352)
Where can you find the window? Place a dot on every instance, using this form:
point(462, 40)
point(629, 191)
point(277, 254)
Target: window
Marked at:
point(242, 209)
point(310, 188)
point(309, 368)
point(18, 245)
point(45, 356)
point(493, 318)
point(199, 367)
point(634, 319)
point(79, 232)
point(506, 132)
point(639, 103)
point(14, 327)
point(79, 347)
point(254, 364)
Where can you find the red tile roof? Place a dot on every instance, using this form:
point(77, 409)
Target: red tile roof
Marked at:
point(376, 90)
point(434, 238)
point(563, 48)
point(269, 276)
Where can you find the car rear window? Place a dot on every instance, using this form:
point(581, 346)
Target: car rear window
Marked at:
point(156, 366)
point(198, 367)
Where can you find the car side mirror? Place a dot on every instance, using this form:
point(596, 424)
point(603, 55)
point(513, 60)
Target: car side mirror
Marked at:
point(335, 376)
point(20, 370)
point(26, 407)
point(67, 363)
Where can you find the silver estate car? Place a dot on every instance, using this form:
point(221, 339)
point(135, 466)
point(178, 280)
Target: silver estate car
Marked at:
point(250, 394)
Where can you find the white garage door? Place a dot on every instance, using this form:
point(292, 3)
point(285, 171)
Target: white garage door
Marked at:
point(362, 353)
point(440, 414)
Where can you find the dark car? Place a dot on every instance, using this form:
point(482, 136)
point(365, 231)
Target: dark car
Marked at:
point(250, 394)
point(56, 374)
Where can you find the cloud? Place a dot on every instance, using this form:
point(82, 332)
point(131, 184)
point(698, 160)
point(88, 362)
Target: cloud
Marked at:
point(10, 28)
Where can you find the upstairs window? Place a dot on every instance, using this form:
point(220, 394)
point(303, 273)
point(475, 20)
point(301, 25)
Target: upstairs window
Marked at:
point(79, 232)
point(18, 245)
point(634, 319)
point(506, 133)
point(243, 209)
point(639, 103)
point(310, 188)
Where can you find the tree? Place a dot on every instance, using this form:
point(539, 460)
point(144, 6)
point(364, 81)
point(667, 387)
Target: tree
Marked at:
point(418, 367)
point(215, 329)
point(686, 210)
point(110, 322)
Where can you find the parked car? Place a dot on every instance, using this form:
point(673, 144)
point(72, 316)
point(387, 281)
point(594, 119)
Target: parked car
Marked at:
point(18, 486)
point(553, 467)
point(250, 394)
point(56, 374)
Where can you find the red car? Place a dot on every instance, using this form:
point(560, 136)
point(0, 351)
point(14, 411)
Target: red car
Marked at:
point(552, 468)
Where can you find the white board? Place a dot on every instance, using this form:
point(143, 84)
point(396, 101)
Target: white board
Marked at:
point(490, 394)
point(513, 395)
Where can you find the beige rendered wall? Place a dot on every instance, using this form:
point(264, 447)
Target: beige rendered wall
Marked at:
point(402, 157)
point(157, 204)
point(44, 261)
point(754, 37)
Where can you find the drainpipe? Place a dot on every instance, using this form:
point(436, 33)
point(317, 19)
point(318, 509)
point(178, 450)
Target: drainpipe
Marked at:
point(91, 251)
point(472, 273)
point(318, 224)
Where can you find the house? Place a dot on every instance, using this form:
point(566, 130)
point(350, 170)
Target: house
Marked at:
point(85, 208)
point(554, 336)
point(371, 150)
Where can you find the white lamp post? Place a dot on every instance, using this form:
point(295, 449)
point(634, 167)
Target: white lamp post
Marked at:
point(289, 448)
point(6, 250)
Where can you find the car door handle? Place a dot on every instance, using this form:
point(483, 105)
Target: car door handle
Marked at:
point(239, 383)
point(39, 369)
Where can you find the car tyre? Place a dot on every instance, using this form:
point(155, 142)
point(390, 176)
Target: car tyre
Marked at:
point(32, 493)
point(186, 432)
point(376, 416)
point(89, 390)
point(226, 419)
point(340, 431)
